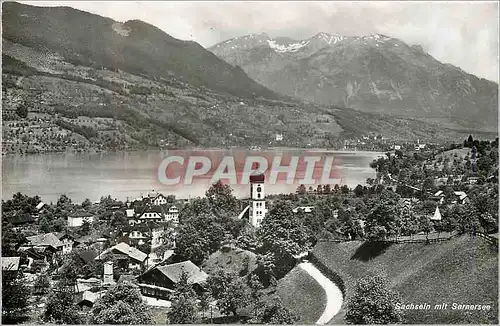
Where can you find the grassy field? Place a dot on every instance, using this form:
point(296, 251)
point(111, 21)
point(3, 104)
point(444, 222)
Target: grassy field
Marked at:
point(302, 295)
point(463, 270)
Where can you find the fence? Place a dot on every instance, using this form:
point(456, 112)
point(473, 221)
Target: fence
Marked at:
point(487, 237)
point(418, 238)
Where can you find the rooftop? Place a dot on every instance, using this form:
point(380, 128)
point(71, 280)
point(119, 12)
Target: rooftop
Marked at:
point(10, 263)
point(174, 271)
point(48, 239)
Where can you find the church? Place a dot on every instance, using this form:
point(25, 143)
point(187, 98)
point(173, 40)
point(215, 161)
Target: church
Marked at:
point(256, 209)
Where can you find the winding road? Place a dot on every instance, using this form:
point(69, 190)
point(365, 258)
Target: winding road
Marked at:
point(333, 294)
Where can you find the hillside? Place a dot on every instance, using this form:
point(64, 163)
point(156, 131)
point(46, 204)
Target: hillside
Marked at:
point(134, 46)
point(303, 295)
point(463, 270)
point(375, 73)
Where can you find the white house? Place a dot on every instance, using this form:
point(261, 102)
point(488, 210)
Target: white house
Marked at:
point(172, 214)
point(460, 197)
point(130, 212)
point(77, 218)
point(159, 200)
point(152, 213)
point(305, 209)
point(279, 137)
point(66, 240)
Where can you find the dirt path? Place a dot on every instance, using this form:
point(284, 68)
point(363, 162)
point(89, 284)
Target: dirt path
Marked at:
point(333, 294)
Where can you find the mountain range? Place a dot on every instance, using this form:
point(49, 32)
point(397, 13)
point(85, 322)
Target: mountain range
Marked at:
point(62, 63)
point(375, 73)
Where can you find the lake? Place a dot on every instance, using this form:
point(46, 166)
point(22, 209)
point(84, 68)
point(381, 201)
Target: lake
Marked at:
point(131, 174)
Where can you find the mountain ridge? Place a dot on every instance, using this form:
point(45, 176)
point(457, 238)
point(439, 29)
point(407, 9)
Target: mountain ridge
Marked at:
point(375, 73)
point(52, 27)
point(92, 83)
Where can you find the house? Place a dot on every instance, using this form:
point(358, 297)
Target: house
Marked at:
point(473, 180)
point(24, 219)
point(172, 214)
point(47, 240)
point(40, 206)
point(397, 147)
point(129, 257)
point(127, 278)
point(87, 256)
point(160, 281)
point(159, 200)
point(34, 256)
point(305, 209)
point(279, 137)
point(438, 197)
point(150, 213)
point(441, 181)
point(66, 240)
point(130, 213)
point(84, 241)
point(90, 284)
point(77, 218)
point(460, 197)
point(10, 265)
point(141, 233)
point(458, 178)
point(87, 298)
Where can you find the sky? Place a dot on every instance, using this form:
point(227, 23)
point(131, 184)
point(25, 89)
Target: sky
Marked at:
point(464, 34)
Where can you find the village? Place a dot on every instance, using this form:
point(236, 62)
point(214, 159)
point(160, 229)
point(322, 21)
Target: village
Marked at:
point(159, 246)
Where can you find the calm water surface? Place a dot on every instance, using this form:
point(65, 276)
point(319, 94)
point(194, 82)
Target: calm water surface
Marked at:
point(128, 175)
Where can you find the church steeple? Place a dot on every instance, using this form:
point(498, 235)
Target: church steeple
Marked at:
point(257, 198)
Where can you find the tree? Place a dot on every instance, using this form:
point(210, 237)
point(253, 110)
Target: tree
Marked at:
point(359, 191)
point(86, 203)
point(63, 201)
point(265, 269)
point(184, 308)
point(119, 220)
point(85, 228)
point(327, 189)
point(283, 236)
point(221, 197)
point(276, 313)
point(229, 290)
point(60, 308)
point(191, 245)
point(373, 303)
point(301, 190)
point(247, 240)
point(383, 220)
point(22, 110)
point(470, 141)
point(336, 188)
point(15, 296)
point(255, 292)
point(205, 300)
point(122, 304)
point(42, 284)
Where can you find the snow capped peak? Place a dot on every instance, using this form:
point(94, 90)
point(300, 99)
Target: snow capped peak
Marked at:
point(328, 38)
point(292, 47)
